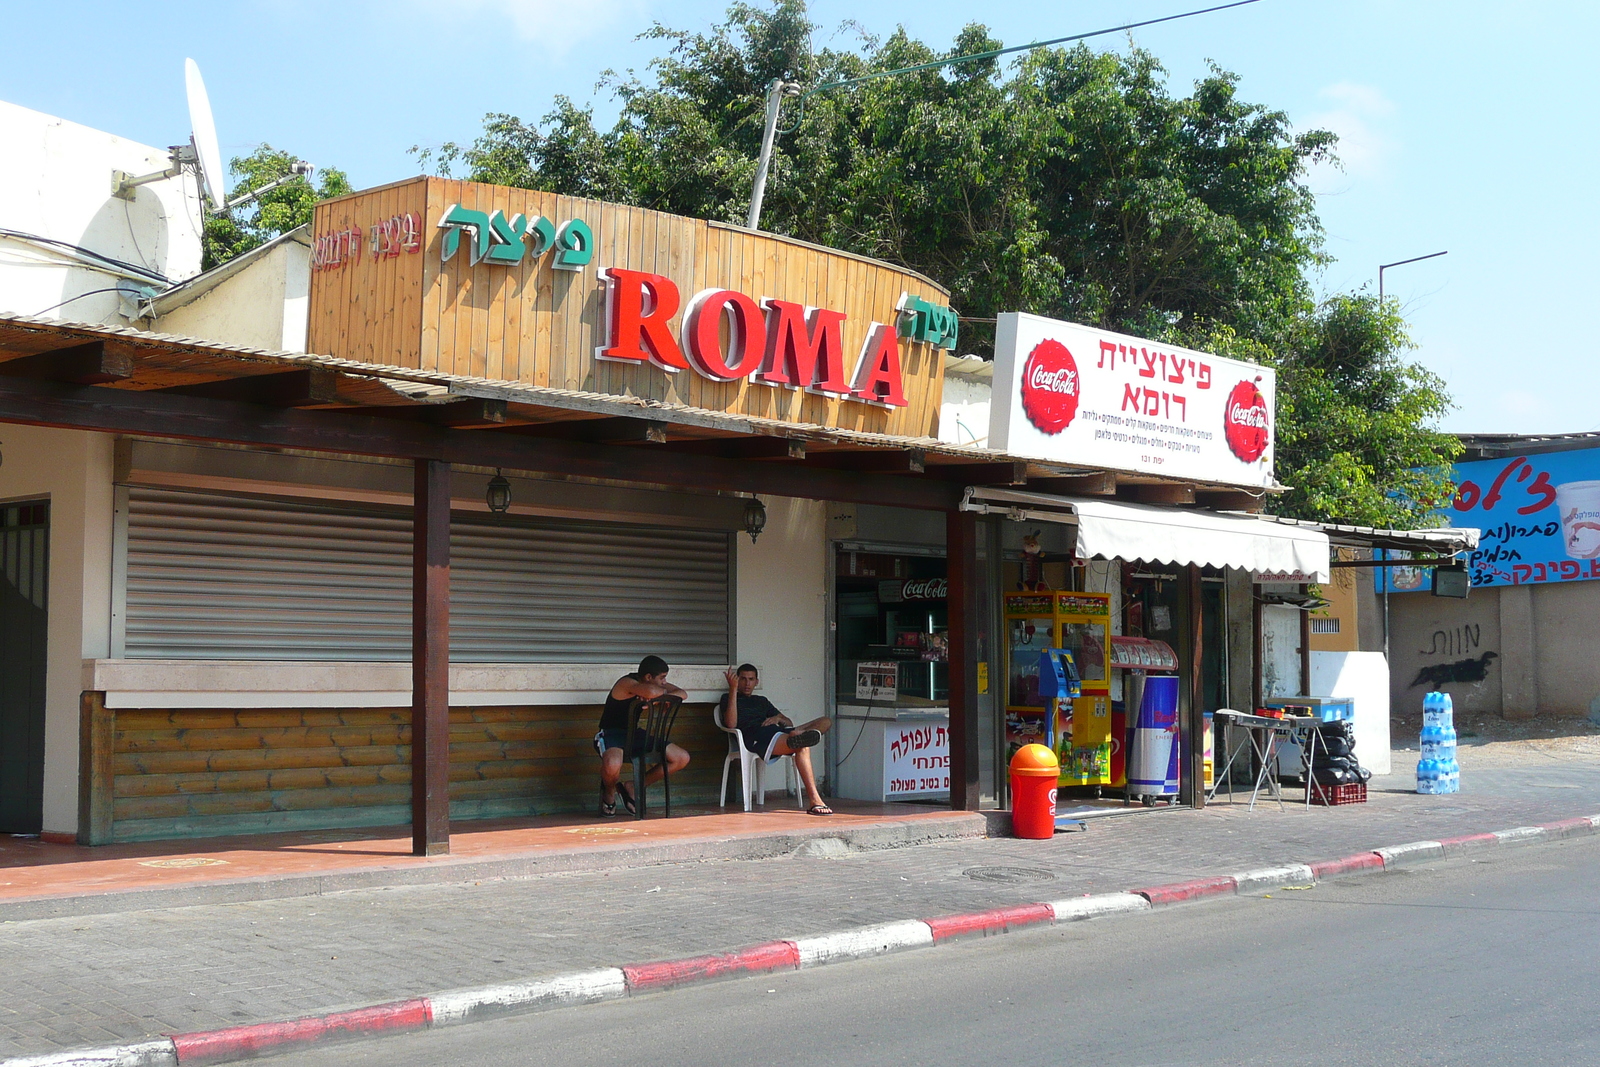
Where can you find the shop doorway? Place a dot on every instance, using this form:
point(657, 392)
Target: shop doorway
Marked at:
point(24, 581)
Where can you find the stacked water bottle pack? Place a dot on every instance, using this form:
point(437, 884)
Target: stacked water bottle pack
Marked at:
point(1437, 770)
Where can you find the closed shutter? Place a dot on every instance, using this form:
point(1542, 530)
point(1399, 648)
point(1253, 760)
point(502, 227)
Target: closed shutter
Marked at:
point(211, 576)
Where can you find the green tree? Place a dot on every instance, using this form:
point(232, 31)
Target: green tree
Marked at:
point(1071, 183)
point(275, 212)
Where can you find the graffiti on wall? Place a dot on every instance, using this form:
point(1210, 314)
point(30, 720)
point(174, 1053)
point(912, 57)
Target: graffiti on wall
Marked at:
point(1470, 671)
point(1456, 642)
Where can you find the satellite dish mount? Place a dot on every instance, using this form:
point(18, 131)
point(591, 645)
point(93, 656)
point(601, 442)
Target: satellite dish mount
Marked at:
point(202, 155)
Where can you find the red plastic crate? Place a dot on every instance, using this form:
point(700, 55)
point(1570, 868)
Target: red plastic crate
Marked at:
point(1332, 795)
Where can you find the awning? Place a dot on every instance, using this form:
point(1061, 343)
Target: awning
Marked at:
point(1114, 530)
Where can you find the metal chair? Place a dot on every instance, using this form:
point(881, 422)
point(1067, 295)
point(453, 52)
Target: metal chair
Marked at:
point(653, 719)
point(752, 768)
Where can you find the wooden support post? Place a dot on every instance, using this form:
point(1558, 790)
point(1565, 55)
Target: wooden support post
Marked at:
point(97, 739)
point(961, 551)
point(1194, 756)
point(430, 660)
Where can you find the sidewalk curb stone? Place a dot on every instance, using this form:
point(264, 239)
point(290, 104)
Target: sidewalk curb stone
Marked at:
point(466, 1005)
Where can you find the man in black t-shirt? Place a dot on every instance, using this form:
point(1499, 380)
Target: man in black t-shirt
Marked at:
point(770, 734)
point(611, 741)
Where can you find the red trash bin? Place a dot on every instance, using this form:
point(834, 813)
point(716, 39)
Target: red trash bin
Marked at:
point(1034, 774)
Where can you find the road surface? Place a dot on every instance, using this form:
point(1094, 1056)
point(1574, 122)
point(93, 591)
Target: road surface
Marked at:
point(1488, 961)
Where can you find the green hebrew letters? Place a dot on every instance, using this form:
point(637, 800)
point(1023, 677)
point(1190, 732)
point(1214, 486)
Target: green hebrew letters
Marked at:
point(541, 235)
point(576, 242)
point(934, 324)
point(457, 218)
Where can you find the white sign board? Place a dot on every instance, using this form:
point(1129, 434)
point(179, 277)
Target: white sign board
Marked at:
point(1074, 394)
point(916, 758)
point(877, 681)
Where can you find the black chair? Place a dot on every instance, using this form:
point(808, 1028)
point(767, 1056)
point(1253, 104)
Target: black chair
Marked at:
point(651, 732)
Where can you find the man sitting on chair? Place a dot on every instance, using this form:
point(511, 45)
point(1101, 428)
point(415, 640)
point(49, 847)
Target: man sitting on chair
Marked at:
point(770, 734)
point(648, 682)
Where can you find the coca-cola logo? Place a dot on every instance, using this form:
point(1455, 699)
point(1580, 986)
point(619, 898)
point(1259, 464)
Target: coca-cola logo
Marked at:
point(1244, 422)
point(1050, 387)
point(925, 589)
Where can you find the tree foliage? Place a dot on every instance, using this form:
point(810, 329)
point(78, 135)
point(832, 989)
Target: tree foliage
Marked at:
point(1071, 183)
point(276, 212)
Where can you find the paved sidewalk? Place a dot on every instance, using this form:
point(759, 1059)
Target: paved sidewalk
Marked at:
point(96, 980)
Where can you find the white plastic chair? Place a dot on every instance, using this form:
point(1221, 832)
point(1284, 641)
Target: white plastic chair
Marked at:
point(752, 768)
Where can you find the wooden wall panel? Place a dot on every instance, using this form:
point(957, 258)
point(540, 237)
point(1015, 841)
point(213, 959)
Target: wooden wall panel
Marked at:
point(198, 772)
point(528, 322)
point(370, 308)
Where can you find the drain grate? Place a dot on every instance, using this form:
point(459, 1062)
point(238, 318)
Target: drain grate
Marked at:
point(1009, 875)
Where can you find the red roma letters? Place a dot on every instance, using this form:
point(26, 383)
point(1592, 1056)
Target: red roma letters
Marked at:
point(775, 342)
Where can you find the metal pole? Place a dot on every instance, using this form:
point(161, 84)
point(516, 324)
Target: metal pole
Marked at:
point(430, 659)
point(1400, 263)
point(759, 190)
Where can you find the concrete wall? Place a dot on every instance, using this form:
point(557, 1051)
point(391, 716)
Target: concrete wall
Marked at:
point(782, 609)
point(264, 305)
point(1538, 640)
point(964, 411)
point(72, 469)
point(57, 184)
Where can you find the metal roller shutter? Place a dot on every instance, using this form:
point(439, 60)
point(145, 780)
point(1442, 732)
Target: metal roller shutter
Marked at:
point(211, 576)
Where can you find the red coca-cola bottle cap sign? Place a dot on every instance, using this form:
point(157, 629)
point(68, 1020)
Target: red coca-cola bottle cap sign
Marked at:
point(1244, 422)
point(1050, 387)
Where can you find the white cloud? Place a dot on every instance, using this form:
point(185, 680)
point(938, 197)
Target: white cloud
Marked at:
point(1357, 113)
point(552, 25)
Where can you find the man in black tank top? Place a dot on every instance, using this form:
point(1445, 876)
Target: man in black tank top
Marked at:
point(648, 682)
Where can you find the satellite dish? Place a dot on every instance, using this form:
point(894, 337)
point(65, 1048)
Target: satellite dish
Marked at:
point(203, 136)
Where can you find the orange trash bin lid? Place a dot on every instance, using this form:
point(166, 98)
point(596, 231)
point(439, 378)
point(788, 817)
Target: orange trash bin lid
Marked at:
point(1035, 761)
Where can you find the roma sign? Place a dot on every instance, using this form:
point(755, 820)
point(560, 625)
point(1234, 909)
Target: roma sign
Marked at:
point(522, 286)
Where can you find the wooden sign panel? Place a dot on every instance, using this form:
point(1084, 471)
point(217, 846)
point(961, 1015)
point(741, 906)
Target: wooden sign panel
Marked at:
point(523, 286)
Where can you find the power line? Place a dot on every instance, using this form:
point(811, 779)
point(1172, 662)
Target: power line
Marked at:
point(1006, 51)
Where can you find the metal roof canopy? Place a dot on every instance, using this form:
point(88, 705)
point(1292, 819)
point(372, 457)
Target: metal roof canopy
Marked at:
point(1443, 541)
point(1114, 530)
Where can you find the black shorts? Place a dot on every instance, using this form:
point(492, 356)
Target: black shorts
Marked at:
point(761, 739)
point(605, 739)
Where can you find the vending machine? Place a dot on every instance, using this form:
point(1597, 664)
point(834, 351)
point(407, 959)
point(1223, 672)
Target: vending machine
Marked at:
point(1078, 730)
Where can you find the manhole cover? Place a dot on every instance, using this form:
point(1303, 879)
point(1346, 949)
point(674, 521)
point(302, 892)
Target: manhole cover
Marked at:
point(184, 861)
point(600, 830)
point(1010, 875)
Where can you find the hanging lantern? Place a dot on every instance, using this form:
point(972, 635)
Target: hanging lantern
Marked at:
point(755, 518)
point(499, 496)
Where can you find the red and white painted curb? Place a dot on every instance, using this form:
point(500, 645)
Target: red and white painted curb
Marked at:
point(609, 983)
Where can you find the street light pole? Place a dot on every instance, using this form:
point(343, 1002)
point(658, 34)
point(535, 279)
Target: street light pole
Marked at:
point(1387, 576)
point(1400, 263)
point(775, 94)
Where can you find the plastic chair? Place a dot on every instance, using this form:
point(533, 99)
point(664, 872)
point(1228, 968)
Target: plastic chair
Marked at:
point(655, 719)
point(752, 768)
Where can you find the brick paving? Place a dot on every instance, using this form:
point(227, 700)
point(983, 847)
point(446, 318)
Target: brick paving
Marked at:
point(78, 981)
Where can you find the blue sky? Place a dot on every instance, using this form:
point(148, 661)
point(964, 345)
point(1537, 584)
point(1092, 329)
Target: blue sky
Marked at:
point(1466, 126)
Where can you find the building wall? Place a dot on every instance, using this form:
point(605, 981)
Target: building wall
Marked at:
point(1514, 651)
point(72, 469)
point(57, 184)
point(782, 609)
point(263, 306)
point(197, 772)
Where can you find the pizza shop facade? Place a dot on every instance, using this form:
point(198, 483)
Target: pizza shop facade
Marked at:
point(538, 438)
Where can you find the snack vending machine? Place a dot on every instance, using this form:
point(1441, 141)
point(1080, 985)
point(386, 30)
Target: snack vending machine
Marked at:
point(1078, 730)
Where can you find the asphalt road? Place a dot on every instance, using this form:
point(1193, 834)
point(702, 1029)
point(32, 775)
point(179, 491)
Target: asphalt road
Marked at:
point(1466, 962)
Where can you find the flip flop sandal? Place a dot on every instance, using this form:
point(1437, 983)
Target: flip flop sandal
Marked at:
point(627, 799)
point(819, 809)
point(608, 811)
point(803, 739)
